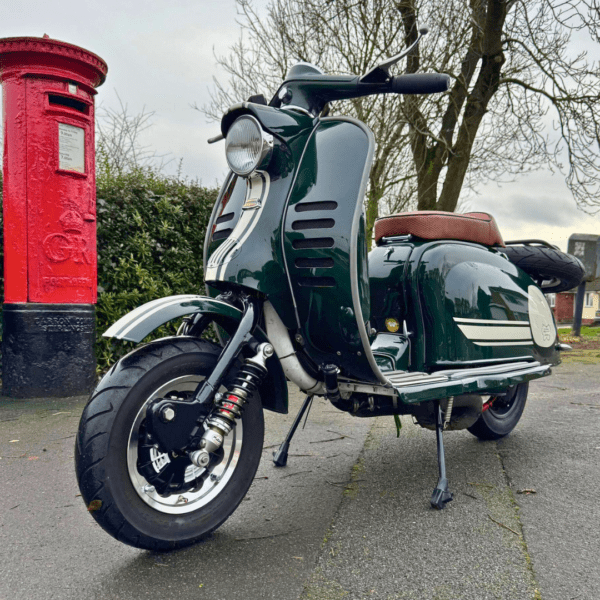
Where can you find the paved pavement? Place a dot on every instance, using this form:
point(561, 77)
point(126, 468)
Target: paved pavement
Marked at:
point(348, 518)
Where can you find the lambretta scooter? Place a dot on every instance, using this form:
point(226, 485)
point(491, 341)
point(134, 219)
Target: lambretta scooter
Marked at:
point(436, 322)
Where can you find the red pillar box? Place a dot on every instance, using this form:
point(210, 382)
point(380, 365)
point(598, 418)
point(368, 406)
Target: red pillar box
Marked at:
point(49, 216)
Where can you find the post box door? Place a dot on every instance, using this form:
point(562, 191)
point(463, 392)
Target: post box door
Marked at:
point(61, 226)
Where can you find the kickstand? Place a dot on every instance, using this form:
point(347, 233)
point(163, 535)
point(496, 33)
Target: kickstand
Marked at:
point(441, 495)
point(280, 457)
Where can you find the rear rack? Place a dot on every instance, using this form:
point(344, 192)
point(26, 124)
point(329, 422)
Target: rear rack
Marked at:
point(531, 243)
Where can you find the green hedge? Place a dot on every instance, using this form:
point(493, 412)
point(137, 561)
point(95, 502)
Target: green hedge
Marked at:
point(150, 238)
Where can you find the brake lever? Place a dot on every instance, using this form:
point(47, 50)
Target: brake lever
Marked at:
point(380, 73)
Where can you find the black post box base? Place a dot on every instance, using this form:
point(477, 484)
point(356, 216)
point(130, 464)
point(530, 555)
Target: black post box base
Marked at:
point(48, 350)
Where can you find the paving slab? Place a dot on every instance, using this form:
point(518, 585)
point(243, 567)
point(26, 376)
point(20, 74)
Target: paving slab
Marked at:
point(557, 453)
point(50, 547)
point(348, 518)
point(491, 541)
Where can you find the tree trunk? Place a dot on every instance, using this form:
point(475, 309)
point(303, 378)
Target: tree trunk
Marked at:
point(373, 198)
point(476, 107)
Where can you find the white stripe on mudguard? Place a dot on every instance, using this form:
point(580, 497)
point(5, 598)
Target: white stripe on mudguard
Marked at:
point(481, 332)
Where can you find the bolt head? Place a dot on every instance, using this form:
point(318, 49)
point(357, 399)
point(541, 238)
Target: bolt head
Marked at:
point(168, 414)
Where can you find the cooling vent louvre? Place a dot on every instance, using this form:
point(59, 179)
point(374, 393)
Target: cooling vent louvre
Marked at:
point(221, 235)
point(310, 243)
point(225, 218)
point(317, 282)
point(314, 263)
point(308, 206)
point(313, 224)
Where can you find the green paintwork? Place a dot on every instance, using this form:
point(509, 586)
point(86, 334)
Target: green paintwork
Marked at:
point(331, 171)
point(260, 264)
point(419, 283)
point(386, 275)
point(430, 283)
point(391, 351)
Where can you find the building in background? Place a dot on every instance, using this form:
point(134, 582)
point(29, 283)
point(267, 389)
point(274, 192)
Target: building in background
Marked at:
point(563, 304)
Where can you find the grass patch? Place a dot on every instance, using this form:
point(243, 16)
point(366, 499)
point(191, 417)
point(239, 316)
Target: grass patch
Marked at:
point(586, 347)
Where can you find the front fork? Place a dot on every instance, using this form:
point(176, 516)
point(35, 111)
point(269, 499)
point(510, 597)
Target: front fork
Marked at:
point(178, 425)
point(229, 406)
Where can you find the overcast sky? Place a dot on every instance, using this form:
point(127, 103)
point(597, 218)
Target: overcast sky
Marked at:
point(160, 56)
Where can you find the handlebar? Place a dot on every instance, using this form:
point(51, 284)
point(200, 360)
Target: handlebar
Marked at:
point(312, 91)
point(420, 83)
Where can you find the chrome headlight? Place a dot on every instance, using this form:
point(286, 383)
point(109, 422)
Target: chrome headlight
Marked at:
point(247, 146)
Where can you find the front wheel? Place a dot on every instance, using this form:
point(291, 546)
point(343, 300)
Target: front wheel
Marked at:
point(108, 442)
point(502, 414)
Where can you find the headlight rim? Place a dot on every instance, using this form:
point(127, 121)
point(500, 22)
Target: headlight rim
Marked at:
point(265, 153)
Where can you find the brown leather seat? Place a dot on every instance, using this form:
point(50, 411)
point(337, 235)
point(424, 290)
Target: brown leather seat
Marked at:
point(475, 227)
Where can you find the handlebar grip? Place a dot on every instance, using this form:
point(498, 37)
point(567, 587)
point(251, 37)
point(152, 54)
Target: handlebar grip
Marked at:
point(420, 83)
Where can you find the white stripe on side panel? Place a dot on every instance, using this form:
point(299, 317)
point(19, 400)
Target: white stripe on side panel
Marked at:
point(478, 332)
point(490, 322)
point(529, 343)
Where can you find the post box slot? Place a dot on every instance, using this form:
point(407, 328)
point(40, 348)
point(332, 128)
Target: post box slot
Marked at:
point(72, 103)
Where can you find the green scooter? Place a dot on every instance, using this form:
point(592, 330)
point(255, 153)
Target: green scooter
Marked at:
point(442, 320)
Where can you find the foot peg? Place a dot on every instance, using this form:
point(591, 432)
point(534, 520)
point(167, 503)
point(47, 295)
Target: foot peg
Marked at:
point(280, 457)
point(441, 494)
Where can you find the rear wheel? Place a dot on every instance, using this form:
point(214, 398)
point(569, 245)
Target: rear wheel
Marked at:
point(502, 414)
point(109, 446)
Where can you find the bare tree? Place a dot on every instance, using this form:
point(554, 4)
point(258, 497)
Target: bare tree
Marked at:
point(522, 96)
point(119, 146)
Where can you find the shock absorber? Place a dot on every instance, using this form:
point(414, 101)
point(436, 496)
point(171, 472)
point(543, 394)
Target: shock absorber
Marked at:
point(230, 406)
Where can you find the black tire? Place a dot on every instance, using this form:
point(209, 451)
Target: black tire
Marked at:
point(558, 270)
point(502, 416)
point(106, 442)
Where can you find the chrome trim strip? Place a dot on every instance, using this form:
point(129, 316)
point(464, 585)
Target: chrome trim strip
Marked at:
point(426, 379)
point(453, 373)
point(297, 108)
point(365, 388)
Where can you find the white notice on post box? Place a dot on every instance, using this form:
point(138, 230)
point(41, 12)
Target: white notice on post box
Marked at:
point(71, 153)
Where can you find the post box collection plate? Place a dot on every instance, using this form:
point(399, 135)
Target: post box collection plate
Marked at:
point(71, 148)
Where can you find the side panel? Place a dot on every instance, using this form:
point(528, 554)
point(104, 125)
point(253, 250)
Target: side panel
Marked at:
point(325, 248)
point(475, 307)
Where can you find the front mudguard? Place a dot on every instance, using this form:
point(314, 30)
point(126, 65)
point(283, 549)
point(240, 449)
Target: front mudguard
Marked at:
point(145, 319)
